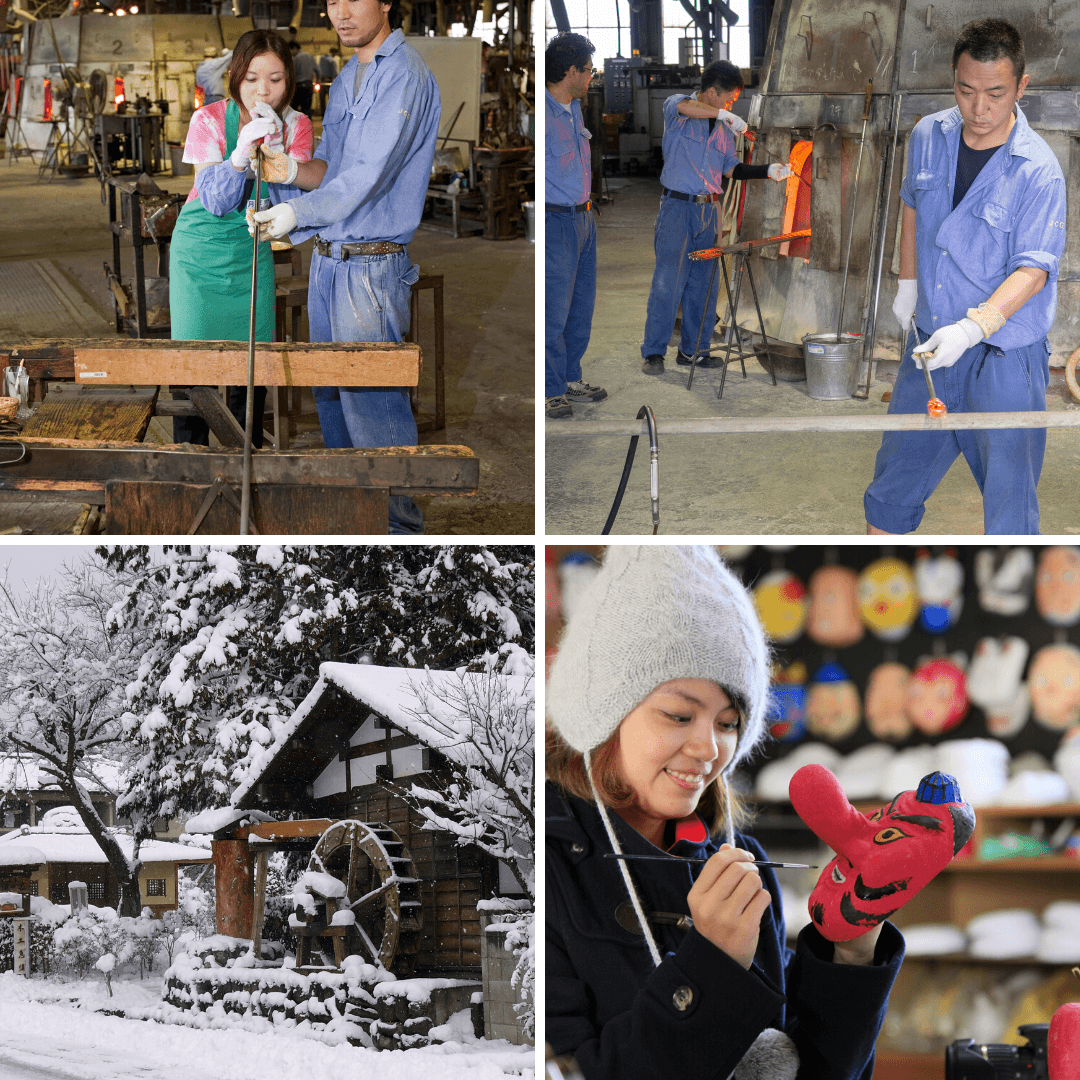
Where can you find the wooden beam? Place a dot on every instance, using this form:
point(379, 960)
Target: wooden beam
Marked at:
point(210, 405)
point(368, 748)
point(157, 361)
point(286, 830)
point(259, 912)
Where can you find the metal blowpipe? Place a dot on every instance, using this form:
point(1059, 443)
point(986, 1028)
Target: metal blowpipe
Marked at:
point(854, 195)
point(676, 858)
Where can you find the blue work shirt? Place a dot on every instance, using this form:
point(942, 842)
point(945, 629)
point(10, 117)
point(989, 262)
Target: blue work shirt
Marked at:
point(378, 147)
point(567, 157)
point(694, 160)
point(1013, 215)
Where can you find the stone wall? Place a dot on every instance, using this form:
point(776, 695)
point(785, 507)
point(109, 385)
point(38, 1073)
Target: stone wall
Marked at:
point(500, 995)
point(359, 1002)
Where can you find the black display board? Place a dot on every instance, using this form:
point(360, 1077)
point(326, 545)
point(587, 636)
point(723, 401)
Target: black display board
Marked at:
point(974, 624)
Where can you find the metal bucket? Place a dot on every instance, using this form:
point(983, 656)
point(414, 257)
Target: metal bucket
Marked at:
point(530, 221)
point(180, 167)
point(832, 367)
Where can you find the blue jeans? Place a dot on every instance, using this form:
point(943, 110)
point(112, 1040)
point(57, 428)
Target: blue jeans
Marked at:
point(365, 299)
point(1006, 463)
point(681, 227)
point(570, 281)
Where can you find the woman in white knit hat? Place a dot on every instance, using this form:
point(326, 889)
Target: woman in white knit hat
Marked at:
point(663, 968)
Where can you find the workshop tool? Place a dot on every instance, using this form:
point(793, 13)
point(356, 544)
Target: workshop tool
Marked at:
point(935, 406)
point(740, 250)
point(249, 406)
point(883, 228)
point(677, 858)
point(854, 203)
point(654, 473)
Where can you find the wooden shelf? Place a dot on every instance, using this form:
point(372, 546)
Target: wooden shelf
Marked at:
point(890, 1065)
point(982, 961)
point(1038, 863)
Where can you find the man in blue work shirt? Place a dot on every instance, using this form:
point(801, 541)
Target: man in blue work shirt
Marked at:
point(569, 228)
point(210, 74)
point(370, 176)
point(699, 151)
point(982, 232)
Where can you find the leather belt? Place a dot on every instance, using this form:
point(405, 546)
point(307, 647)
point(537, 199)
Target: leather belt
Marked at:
point(713, 196)
point(555, 208)
point(375, 247)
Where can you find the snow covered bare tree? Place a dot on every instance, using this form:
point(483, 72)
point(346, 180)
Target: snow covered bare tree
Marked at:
point(62, 681)
point(484, 725)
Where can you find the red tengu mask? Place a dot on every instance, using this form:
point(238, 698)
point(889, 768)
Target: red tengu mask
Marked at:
point(883, 859)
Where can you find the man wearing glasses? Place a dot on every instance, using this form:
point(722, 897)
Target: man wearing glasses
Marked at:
point(569, 228)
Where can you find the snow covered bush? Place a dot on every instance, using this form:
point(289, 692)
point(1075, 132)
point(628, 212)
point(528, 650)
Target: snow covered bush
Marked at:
point(82, 940)
point(520, 942)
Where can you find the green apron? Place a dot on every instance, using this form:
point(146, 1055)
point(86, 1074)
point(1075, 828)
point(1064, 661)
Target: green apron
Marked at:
point(210, 269)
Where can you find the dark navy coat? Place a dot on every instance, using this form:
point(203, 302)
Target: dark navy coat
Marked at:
point(695, 1016)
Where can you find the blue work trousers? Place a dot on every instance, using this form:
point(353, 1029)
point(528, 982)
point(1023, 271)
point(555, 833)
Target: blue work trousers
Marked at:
point(1006, 463)
point(365, 298)
point(570, 281)
point(681, 227)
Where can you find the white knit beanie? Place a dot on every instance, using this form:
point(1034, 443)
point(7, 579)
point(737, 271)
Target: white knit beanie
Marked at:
point(654, 613)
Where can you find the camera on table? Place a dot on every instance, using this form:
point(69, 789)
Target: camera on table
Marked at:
point(967, 1060)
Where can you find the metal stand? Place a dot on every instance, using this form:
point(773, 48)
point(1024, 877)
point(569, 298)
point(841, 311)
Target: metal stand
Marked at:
point(733, 350)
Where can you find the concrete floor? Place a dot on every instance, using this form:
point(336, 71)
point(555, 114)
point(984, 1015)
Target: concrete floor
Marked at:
point(61, 227)
point(748, 484)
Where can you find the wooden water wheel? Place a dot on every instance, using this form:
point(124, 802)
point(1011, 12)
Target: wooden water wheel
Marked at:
point(382, 890)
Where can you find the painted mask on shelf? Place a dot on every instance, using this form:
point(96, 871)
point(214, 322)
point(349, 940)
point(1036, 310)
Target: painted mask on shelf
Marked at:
point(1005, 577)
point(886, 699)
point(1057, 586)
point(834, 607)
point(888, 602)
point(780, 598)
point(832, 704)
point(787, 720)
point(1054, 682)
point(937, 699)
point(940, 582)
point(882, 859)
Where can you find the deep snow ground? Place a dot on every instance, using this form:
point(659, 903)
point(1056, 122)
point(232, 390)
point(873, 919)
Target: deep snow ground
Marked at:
point(52, 1030)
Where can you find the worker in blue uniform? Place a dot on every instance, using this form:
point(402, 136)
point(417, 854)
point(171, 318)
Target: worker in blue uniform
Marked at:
point(983, 230)
point(569, 228)
point(370, 174)
point(699, 152)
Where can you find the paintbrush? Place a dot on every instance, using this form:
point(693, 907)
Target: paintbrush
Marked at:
point(677, 858)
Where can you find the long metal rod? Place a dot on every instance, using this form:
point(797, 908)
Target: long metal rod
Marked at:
point(249, 405)
point(743, 425)
point(854, 203)
point(881, 252)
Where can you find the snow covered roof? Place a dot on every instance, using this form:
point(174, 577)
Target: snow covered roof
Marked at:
point(21, 855)
point(387, 691)
point(212, 821)
point(24, 774)
point(62, 838)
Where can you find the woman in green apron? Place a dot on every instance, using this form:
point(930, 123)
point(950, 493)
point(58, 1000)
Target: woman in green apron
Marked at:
point(211, 250)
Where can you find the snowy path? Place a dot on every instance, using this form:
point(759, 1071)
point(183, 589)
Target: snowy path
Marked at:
point(40, 1041)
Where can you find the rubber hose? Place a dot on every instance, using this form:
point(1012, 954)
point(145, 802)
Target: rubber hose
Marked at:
point(654, 466)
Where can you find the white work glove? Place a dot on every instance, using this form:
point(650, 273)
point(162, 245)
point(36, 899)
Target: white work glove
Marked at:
point(246, 140)
point(276, 222)
point(261, 111)
point(777, 171)
point(948, 344)
point(736, 123)
point(278, 168)
point(903, 307)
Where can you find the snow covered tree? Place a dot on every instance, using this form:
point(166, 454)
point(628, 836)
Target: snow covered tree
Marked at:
point(62, 679)
point(237, 635)
point(484, 725)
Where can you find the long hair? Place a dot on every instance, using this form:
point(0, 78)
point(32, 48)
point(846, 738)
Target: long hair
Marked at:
point(255, 43)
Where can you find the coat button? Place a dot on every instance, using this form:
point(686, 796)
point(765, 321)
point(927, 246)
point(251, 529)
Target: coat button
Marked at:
point(682, 998)
point(577, 849)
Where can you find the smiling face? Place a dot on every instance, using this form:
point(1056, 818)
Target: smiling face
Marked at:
point(888, 603)
point(883, 859)
point(780, 599)
point(671, 747)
